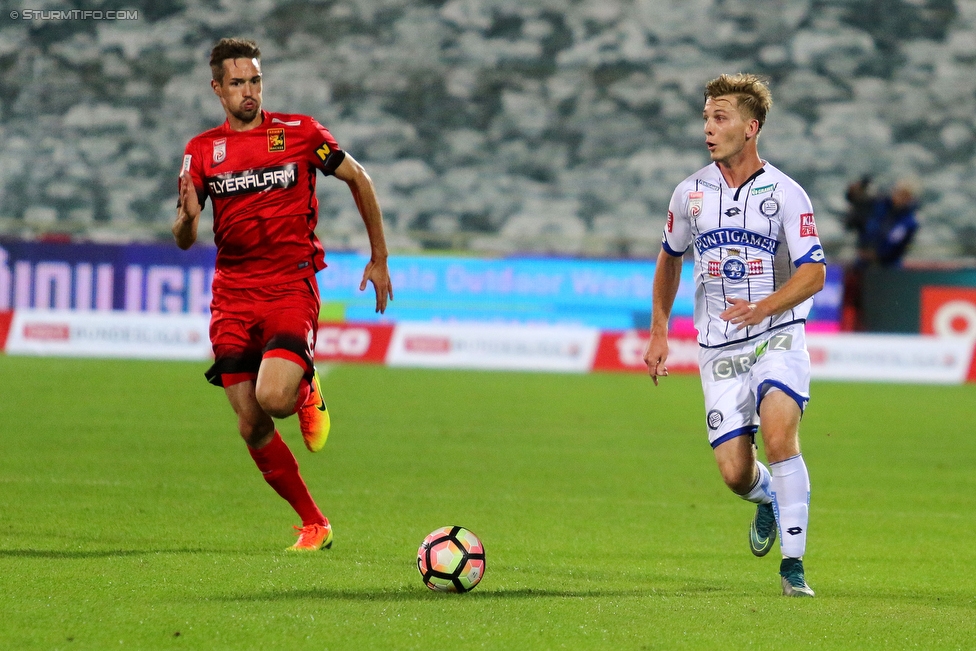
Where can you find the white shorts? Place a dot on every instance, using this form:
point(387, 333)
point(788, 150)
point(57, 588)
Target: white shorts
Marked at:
point(735, 379)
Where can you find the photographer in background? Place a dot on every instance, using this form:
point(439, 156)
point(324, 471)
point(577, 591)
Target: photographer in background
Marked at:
point(891, 224)
point(860, 200)
point(885, 226)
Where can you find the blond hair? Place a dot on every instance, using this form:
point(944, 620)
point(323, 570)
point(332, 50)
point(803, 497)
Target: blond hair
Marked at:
point(751, 92)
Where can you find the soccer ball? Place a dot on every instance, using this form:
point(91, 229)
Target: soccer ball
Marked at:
point(451, 559)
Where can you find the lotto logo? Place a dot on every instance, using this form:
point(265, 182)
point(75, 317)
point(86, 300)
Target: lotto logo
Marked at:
point(808, 227)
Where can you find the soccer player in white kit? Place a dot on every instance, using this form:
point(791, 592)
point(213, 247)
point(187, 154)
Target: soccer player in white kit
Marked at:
point(758, 263)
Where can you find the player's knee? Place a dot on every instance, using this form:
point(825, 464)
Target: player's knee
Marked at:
point(738, 484)
point(737, 476)
point(781, 445)
point(275, 401)
point(255, 431)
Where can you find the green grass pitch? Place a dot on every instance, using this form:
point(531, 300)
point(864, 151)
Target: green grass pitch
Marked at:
point(132, 517)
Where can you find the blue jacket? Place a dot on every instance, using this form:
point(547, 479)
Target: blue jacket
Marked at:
point(889, 231)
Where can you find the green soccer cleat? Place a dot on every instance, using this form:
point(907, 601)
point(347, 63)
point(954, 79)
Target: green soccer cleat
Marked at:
point(794, 585)
point(762, 532)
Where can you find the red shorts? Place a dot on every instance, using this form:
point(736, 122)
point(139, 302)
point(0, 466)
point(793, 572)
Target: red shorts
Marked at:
point(249, 324)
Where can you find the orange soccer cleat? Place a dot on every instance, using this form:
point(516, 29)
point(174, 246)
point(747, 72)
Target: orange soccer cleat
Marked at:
point(313, 537)
point(314, 419)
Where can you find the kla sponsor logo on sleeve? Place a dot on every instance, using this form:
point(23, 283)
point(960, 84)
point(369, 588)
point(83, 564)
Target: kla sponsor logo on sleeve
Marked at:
point(808, 227)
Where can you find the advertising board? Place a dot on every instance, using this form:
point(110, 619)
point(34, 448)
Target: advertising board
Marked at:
point(108, 334)
point(493, 346)
point(161, 279)
point(948, 311)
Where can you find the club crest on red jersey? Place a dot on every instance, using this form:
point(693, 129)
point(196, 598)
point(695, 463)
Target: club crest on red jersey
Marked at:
point(276, 140)
point(219, 150)
point(808, 227)
point(695, 201)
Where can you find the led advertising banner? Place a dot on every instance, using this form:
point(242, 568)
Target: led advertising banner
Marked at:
point(608, 294)
point(161, 279)
point(84, 277)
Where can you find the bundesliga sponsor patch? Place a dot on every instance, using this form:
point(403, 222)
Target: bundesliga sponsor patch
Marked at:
point(219, 150)
point(695, 201)
point(259, 180)
point(670, 221)
point(808, 227)
point(186, 163)
point(276, 140)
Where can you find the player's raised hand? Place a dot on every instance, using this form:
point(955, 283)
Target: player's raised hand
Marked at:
point(655, 355)
point(188, 204)
point(743, 314)
point(378, 273)
point(187, 214)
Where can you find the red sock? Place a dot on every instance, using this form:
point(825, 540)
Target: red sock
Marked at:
point(304, 391)
point(280, 470)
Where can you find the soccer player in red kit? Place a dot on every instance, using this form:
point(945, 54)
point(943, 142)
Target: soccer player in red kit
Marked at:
point(259, 169)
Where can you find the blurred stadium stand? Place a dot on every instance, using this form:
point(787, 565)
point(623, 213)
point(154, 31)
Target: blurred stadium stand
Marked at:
point(497, 126)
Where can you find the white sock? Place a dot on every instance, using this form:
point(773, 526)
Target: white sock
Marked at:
point(790, 486)
point(759, 494)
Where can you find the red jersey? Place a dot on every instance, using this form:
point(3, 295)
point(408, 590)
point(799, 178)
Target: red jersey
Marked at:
point(262, 185)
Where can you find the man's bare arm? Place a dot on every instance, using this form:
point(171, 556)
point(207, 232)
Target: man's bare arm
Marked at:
point(667, 278)
point(364, 194)
point(187, 214)
point(807, 281)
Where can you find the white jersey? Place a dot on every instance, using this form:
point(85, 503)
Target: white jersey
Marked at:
point(748, 242)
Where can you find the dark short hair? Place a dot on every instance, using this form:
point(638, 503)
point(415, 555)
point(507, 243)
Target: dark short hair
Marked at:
point(751, 92)
point(231, 48)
